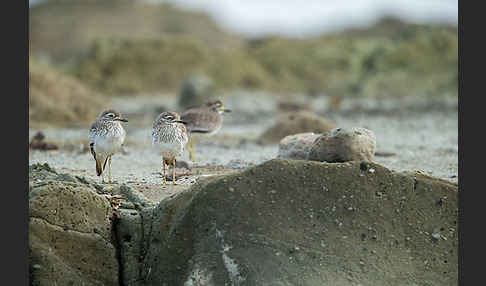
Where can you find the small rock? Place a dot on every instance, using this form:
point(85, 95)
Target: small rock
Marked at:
point(342, 145)
point(296, 146)
point(436, 236)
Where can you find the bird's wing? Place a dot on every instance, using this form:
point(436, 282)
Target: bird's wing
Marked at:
point(91, 148)
point(92, 135)
point(92, 131)
point(198, 122)
point(185, 138)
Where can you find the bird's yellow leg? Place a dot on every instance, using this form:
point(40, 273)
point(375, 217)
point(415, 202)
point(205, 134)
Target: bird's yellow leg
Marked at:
point(173, 172)
point(163, 168)
point(109, 170)
point(192, 154)
point(102, 177)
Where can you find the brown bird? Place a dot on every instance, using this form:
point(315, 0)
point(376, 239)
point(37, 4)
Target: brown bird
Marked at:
point(205, 120)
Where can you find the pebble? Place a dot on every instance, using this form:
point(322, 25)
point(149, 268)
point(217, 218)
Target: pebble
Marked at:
point(436, 236)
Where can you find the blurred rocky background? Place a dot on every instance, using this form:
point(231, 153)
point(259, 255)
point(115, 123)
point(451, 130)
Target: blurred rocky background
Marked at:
point(108, 48)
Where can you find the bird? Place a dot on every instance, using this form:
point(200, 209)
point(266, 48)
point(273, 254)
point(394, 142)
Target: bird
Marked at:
point(169, 137)
point(106, 137)
point(206, 120)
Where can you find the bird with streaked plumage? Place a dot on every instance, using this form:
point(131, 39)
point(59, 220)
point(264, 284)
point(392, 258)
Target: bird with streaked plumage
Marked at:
point(169, 136)
point(106, 137)
point(205, 120)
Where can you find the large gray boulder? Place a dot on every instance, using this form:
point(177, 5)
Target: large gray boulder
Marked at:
point(296, 222)
point(343, 144)
point(70, 232)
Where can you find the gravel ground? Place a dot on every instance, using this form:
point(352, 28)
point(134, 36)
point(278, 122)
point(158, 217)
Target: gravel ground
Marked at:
point(422, 134)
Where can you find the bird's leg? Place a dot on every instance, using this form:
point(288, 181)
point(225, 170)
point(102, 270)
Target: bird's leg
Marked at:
point(109, 170)
point(163, 168)
point(192, 154)
point(173, 172)
point(102, 178)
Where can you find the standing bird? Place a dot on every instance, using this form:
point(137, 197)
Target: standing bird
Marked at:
point(169, 136)
point(106, 137)
point(206, 119)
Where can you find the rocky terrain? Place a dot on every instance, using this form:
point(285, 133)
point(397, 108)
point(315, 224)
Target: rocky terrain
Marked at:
point(238, 216)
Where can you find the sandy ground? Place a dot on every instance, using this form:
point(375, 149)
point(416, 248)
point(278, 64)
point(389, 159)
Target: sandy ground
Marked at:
point(422, 134)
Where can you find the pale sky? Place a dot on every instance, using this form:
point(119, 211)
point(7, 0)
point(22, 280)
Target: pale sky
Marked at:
point(307, 17)
point(298, 18)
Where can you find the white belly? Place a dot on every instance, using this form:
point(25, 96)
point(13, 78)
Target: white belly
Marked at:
point(108, 145)
point(171, 150)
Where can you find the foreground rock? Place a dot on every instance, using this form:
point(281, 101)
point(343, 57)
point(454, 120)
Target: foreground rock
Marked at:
point(296, 146)
point(305, 223)
point(70, 232)
point(293, 123)
point(342, 145)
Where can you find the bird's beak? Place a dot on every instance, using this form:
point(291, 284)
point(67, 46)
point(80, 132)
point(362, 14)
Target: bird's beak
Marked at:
point(181, 121)
point(122, 119)
point(223, 110)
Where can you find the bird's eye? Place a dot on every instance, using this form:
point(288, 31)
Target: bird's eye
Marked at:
point(111, 115)
point(169, 117)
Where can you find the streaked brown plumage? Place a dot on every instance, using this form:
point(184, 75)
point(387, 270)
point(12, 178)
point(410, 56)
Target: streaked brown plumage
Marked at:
point(169, 136)
point(106, 137)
